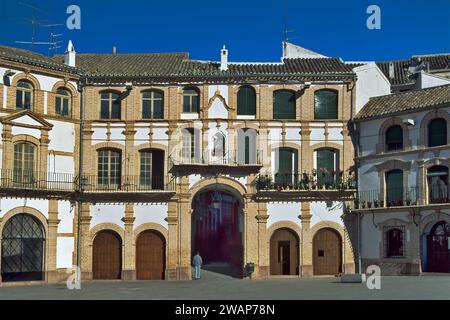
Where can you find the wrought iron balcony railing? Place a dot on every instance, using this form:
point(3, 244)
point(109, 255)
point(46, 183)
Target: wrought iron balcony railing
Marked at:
point(213, 158)
point(34, 180)
point(395, 197)
point(438, 194)
point(95, 183)
point(317, 180)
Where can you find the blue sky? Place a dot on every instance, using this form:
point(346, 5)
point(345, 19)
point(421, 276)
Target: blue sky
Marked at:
point(251, 29)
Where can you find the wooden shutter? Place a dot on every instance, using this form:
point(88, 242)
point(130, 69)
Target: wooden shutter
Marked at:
point(437, 132)
point(325, 105)
point(394, 138)
point(246, 101)
point(326, 166)
point(285, 166)
point(283, 104)
point(394, 187)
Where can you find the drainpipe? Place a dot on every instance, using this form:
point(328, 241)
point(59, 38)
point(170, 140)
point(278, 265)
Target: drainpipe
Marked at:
point(80, 174)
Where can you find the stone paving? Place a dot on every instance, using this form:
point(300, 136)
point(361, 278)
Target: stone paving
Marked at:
point(217, 286)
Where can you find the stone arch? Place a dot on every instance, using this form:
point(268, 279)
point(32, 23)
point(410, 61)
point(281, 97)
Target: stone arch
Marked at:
point(219, 96)
point(74, 99)
point(235, 187)
point(26, 76)
point(328, 225)
point(27, 210)
point(25, 138)
point(106, 226)
point(392, 121)
point(152, 227)
point(294, 227)
point(428, 222)
point(436, 113)
point(390, 165)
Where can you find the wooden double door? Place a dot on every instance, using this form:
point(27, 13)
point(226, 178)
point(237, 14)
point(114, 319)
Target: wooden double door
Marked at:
point(150, 256)
point(439, 248)
point(327, 252)
point(284, 257)
point(107, 256)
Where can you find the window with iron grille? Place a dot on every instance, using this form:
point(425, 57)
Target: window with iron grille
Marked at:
point(109, 168)
point(394, 240)
point(62, 102)
point(24, 95)
point(152, 105)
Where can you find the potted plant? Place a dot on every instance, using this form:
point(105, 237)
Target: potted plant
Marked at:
point(369, 204)
point(363, 204)
point(250, 269)
point(376, 203)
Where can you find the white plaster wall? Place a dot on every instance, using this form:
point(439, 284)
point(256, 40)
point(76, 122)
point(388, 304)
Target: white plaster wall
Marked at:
point(317, 135)
point(155, 213)
point(429, 80)
point(27, 131)
point(117, 136)
point(371, 83)
point(283, 212)
point(335, 135)
point(9, 204)
point(107, 213)
point(323, 211)
point(60, 164)
point(62, 136)
point(218, 110)
point(66, 215)
point(370, 238)
point(223, 91)
point(99, 135)
point(293, 135)
point(64, 252)
point(160, 136)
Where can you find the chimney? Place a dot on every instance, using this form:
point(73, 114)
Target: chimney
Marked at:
point(224, 59)
point(70, 55)
point(114, 50)
point(391, 70)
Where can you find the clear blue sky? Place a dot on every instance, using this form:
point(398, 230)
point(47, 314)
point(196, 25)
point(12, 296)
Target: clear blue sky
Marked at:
point(251, 29)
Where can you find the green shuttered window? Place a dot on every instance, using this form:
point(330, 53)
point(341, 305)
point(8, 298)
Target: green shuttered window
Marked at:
point(394, 138)
point(246, 101)
point(326, 165)
point(394, 187)
point(437, 132)
point(284, 104)
point(325, 105)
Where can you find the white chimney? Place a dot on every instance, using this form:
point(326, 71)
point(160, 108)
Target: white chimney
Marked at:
point(224, 59)
point(391, 70)
point(70, 55)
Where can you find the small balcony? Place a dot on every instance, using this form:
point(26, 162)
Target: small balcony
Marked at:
point(395, 197)
point(318, 185)
point(230, 161)
point(126, 188)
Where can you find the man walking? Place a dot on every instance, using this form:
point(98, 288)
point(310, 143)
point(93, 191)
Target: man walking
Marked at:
point(197, 262)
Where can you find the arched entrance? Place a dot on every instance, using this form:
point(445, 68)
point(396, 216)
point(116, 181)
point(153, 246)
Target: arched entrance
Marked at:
point(150, 256)
point(23, 249)
point(438, 245)
point(217, 230)
point(107, 256)
point(327, 252)
point(284, 246)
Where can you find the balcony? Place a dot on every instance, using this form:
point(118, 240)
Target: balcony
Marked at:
point(395, 197)
point(315, 186)
point(232, 161)
point(36, 184)
point(127, 188)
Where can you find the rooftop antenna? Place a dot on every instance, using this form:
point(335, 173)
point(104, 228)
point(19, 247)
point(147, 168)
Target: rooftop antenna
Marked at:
point(53, 43)
point(286, 31)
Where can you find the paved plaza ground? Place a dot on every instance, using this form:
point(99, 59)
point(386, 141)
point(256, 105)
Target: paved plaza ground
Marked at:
point(217, 286)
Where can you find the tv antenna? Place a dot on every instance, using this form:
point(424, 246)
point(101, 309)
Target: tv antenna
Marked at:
point(286, 31)
point(54, 42)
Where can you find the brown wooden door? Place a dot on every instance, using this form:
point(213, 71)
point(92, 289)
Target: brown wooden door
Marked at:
point(284, 256)
point(107, 256)
point(150, 256)
point(327, 258)
point(439, 248)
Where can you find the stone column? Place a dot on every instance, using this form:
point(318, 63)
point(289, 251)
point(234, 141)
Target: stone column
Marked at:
point(131, 161)
point(306, 156)
point(413, 245)
point(52, 221)
point(306, 241)
point(263, 268)
point(129, 247)
point(184, 227)
point(8, 150)
point(43, 152)
point(85, 242)
point(172, 240)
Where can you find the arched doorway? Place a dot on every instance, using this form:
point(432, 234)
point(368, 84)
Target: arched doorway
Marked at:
point(23, 249)
point(438, 245)
point(217, 230)
point(284, 246)
point(107, 256)
point(150, 256)
point(327, 252)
